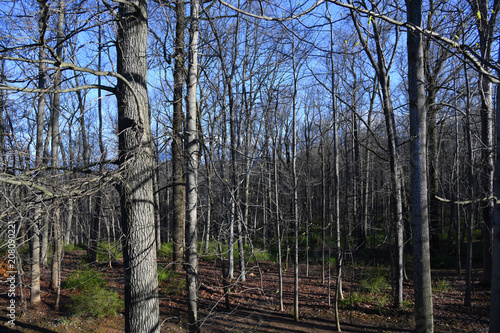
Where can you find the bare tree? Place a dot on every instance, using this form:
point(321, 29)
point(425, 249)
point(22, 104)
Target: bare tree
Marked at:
point(178, 177)
point(136, 158)
point(418, 173)
point(382, 68)
point(486, 24)
point(40, 115)
point(192, 151)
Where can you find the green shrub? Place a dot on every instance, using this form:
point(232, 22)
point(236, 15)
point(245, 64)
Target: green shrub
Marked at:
point(171, 282)
point(353, 299)
point(375, 284)
point(251, 254)
point(92, 297)
point(166, 250)
point(109, 251)
point(258, 255)
point(72, 247)
point(213, 250)
point(441, 287)
point(85, 279)
point(164, 274)
point(97, 302)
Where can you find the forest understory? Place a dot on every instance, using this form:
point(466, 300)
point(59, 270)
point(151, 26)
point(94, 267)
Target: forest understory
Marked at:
point(367, 305)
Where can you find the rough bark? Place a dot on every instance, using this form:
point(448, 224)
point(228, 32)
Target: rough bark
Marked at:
point(136, 157)
point(178, 176)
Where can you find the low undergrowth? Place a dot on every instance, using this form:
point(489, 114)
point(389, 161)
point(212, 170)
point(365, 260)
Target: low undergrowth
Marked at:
point(92, 296)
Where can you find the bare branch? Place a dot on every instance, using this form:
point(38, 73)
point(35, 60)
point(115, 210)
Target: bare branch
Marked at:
point(270, 18)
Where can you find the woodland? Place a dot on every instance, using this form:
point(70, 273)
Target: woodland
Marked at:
point(249, 166)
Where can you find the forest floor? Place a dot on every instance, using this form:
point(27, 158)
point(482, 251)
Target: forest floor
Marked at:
point(255, 304)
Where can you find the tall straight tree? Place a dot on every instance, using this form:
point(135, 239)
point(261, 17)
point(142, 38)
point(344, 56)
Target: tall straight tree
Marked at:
point(136, 159)
point(486, 22)
point(335, 182)
point(178, 177)
point(40, 115)
point(495, 280)
point(55, 113)
point(191, 149)
point(418, 172)
point(295, 203)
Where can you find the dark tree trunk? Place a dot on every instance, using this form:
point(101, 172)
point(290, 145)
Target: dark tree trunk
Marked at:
point(418, 173)
point(486, 25)
point(495, 282)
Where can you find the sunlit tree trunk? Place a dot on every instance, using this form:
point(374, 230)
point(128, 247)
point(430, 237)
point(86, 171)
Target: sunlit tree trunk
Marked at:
point(136, 157)
point(191, 151)
point(277, 205)
point(55, 112)
point(40, 115)
point(178, 177)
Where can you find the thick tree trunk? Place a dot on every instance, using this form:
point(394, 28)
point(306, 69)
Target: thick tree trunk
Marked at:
point(418, 173)
point(136, 157)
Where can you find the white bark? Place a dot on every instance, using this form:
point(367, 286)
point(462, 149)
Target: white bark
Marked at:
point(191, 155)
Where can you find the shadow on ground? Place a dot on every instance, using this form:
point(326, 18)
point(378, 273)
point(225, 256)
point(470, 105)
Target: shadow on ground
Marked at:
point(20, 325)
